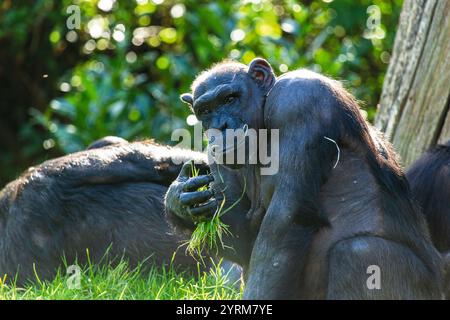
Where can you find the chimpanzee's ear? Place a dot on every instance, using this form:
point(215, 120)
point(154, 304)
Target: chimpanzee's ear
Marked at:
point(261, 71)
point(187, 98)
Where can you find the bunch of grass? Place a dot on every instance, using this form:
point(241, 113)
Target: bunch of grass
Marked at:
point(208, 235)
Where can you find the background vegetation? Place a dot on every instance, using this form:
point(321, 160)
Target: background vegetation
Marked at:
point(122, 71)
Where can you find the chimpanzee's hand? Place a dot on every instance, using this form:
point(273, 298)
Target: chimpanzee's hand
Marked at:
point(185, 201)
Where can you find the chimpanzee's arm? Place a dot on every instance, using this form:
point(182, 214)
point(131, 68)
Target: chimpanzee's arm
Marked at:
point(133, 162)
point(306, 158)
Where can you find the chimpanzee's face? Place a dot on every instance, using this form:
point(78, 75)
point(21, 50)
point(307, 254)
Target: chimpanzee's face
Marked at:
point(227, 99)
point(221, 101)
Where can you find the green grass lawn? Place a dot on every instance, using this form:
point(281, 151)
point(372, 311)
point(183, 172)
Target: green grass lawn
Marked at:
point(120, 282)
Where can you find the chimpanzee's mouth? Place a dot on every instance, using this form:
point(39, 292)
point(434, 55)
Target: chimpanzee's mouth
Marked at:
point(215, 148)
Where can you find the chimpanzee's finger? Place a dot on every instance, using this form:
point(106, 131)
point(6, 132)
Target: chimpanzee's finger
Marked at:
point(206, 210)
point(185, 170)
point(203, 168)
point(191, 198)
point(195, 183)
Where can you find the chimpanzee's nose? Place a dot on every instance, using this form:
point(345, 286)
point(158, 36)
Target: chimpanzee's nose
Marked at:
point(223, 126)
point(220, 124)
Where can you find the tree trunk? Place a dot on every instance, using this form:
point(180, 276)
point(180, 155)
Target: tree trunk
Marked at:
point(414, 106)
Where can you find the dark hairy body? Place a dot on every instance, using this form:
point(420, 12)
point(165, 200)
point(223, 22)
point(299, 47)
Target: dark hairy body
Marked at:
point(429, 178)
point(105, 199)
point(322, 220)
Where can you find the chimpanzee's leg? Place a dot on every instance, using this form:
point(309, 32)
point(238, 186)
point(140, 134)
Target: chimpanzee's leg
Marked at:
point(369, 267)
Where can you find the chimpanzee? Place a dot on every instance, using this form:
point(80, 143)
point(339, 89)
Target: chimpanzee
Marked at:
point(108, 200)
point(339, 208)
point(429, 178)
point(106, 141)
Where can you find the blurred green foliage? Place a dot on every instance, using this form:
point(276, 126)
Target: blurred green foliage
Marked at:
point(121, 72)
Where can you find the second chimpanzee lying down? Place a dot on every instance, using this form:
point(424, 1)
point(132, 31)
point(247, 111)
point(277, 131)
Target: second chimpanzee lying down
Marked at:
point(339, 207)
point(108, 197)
point(429, 178)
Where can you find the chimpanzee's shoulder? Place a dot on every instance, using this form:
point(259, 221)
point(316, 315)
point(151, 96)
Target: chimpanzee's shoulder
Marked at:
point(304, 81)
point(303, 76)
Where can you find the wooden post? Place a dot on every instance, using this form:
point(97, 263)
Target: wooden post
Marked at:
point(414, 107)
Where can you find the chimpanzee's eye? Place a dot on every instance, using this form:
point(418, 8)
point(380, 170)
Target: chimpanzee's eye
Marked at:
point(229, 99)
point(204, 111)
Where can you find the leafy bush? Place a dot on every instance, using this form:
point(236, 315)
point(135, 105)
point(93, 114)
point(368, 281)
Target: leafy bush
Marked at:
point(121, 73)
